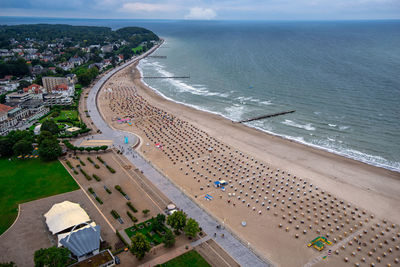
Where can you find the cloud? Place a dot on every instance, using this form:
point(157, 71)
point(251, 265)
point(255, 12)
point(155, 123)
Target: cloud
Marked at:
point(201, 13)
point(134, 7)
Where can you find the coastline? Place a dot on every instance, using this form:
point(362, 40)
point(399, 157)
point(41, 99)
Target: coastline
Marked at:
point(378, 187)
point(285, 137)
point(375, 190)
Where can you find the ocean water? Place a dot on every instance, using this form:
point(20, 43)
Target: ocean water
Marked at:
point(342, 78)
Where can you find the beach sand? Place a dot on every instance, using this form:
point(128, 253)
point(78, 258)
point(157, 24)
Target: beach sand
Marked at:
point(287, 193)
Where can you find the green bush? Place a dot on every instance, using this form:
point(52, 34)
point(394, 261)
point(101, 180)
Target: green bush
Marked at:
point(122, 239)
point(108, 191)
point(100, 159)
point(90, 159)
point(76, 172)
point(91, 190)
point(96, 166)
point(82, 163)
point(110, 169)
point(119, 189)
point(69, 164)
point(115, 214)
point(133, 218)
point(97, 178)
point(99, 200)
point(131, 206)
point(86, 175)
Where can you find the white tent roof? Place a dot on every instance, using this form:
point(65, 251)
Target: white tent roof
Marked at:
point(65, 215)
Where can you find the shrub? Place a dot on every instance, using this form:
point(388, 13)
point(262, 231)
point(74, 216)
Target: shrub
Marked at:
point(76, 172)
point(115, 214)
point(90, 160)
point(100, 159)
point(97, 178)
point(108, 191)
point(122, 239)
point(110, 169)
point(131, 206)
point(145, 212)
point(99, 200)
point(96, 166)
point(91, 190)
point(69, 164)
point(119, 189)
point(133, 218)
point(86, 175)
point(82, 163)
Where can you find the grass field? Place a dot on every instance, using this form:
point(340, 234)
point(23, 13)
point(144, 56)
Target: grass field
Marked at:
point(191, 258)
point(26, 180)
point(64, 114)
point(138, 48)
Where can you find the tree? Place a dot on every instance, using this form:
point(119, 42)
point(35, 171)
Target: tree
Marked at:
point(177, 220)
point(17, 135)
point(159, 221)
point(23, 84)
point(145, 212)
point(5, 147)
point(22, 147)
point(50, 126)
point(140, 246)
point(192, 228)
point(51, 257)
point(88, 149)
point(45, 135)
point(49, 149)
point(168, 239)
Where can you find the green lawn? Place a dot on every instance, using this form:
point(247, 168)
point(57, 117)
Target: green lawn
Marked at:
point(151, 235)
point(26, 180)
point(191, 258)
point(138, 48)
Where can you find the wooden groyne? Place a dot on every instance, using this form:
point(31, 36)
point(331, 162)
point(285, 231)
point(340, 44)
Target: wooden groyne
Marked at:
point(158, 56)
point(267, 116)
point(166, 77)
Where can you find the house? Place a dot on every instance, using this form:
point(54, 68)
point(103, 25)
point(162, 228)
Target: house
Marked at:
point(77, 61)
point(37, 69)
point(50, 82)
point(34, 89)
point(17, 98)
point(107, 48)
point(66, 65)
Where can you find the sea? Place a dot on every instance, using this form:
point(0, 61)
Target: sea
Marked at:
point(341, 77)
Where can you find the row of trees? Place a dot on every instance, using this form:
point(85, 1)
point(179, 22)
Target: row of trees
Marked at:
point(178, 221)
point(81, 148)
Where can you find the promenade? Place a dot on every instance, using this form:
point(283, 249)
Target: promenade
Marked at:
point(240, 252)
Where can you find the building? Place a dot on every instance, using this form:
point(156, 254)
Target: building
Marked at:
point(76, 232)
point(57, 99)
point(50, 82)
point(17, 98)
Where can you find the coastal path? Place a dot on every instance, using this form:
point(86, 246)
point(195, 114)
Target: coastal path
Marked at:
point(240, 252)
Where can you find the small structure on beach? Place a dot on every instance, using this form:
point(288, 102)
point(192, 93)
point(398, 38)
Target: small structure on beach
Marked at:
point(319, 243)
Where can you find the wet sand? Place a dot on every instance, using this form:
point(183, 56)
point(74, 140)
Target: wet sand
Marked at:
point(287, 193)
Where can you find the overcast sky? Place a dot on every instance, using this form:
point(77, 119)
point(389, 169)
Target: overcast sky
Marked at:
point(205, 9)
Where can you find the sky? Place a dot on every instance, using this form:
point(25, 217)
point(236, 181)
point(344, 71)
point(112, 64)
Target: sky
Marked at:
point(205, 9)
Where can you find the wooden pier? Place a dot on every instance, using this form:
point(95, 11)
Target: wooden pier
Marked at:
point(267, 116)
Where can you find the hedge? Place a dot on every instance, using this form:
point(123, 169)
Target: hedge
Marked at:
point(115, 214)
point(69, 164)
point(86, 175)
point(119, 189)
point(97, 178)
point(91, 190)
point(110, 169)
point(131, 206)
point(122, 239)
point(99, 200)
point(108, 191)
point(133, 218)
point(100, 159)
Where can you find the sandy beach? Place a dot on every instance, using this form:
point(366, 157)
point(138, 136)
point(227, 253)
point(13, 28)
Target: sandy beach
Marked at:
point(287, 193)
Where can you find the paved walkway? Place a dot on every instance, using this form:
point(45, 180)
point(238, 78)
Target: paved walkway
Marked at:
point(241, 253)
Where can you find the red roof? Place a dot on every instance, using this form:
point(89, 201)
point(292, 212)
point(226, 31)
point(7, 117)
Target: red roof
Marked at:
point(5, 108)
point(61, 87)
point(34, 88)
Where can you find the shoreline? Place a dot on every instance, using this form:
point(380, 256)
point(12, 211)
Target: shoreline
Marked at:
point(375, 190)
point(284, 137)
point(372, 180)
